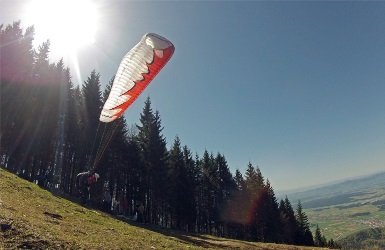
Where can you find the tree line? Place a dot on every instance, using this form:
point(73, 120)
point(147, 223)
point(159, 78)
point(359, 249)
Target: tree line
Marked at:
point(51, 128)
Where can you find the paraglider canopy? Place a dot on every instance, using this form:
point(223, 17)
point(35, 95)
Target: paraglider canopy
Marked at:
point(136, 70)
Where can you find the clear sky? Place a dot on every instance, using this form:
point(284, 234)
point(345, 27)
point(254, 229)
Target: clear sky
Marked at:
point(296, 88)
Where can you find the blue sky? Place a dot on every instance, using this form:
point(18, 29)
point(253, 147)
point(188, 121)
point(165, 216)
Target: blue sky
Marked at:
point(296, 88)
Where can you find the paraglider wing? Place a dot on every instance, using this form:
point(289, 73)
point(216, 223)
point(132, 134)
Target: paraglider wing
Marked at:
point(136, 70)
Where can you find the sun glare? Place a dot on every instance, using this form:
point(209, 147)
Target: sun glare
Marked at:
point(68, 24)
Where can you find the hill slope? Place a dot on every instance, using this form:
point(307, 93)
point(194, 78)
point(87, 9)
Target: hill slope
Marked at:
point(33, 218)
point(372, 238)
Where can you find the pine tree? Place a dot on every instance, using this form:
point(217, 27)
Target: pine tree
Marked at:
point(92, 108)
point(333, 245)
point(177, 182)
point(45, 111)
point(135, 179)
point(237, 211)
point(211, 183)
point(191, 185)
point(154, 155)
point(288, 222)
point(61, 172)
point(16, 64)
point(17, 54)
point(272, 216)
point(181, 183)
point(319, 239)
point(200, 196)
point(74, 138)
point(304, 235)
point(38, 94)
point(226, 187)
point(251, 180)
point(255, 195)
point(37, 117)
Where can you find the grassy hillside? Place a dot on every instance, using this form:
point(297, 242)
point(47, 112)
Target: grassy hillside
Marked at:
point(33, 218)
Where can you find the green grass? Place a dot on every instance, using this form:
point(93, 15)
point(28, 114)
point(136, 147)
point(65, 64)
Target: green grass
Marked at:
point(33, 218)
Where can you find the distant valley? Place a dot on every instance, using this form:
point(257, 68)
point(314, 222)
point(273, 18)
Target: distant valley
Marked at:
point(343, 208)
point(338, 193)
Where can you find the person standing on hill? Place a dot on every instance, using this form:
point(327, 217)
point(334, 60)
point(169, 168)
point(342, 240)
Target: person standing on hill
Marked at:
point(140, 212)
point(84, 182)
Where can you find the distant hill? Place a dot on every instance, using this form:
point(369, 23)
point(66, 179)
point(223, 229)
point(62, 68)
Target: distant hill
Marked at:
point(372, 238)
point(338, 193)
point(33, 218)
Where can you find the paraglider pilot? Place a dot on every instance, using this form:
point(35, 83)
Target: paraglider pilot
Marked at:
point(84, 182)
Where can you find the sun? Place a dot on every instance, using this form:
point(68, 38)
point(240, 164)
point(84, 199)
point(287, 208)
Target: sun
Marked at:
point(68, 24)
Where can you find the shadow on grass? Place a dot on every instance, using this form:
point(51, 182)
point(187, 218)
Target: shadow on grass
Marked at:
point(193, 238)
